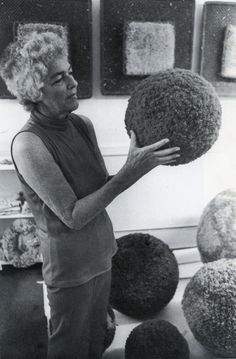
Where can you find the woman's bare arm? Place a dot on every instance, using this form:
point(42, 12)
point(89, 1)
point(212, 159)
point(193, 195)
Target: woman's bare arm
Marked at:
point(38, 168)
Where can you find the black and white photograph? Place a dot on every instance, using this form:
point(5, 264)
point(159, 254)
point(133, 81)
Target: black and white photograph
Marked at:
point(117, 179)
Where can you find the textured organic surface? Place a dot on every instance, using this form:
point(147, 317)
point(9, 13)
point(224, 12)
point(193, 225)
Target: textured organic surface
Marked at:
point(21, 244)
point(76, 15)
point(149, 47)
point(216, 17)
point(209, 305)
point(144, 275)
point(228, 68)
point(179, 105)
point(156, 339)
point(114, 14)
point(216, 234)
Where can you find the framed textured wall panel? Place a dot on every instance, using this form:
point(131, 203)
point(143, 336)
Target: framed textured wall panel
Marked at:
point(218, 48)
point(75, 14)
point(115, 15)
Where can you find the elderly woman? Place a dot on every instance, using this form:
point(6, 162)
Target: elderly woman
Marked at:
point(67, 186)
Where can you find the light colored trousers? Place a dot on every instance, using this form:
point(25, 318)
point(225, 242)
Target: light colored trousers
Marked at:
point(78, 319)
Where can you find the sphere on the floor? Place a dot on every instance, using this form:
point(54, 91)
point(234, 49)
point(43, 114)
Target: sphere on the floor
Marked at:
point(209, 305)
point(21, 243)
point(177, 104)
point(110, 328)
point(144, 275)
point(216, 233)
point(156, 339)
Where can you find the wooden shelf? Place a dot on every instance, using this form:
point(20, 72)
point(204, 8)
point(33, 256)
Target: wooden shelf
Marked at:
point(16, 215)
point(7, 168)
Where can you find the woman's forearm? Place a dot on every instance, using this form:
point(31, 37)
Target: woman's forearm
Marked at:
point(87, 208)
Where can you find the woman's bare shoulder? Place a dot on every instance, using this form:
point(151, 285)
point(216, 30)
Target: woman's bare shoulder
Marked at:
point(26, 141)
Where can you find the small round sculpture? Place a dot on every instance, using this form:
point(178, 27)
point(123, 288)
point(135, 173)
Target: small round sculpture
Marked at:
point(216, 233)
point(157, 339)
point(209, 305)
point(144, 275)
point(110, 329)
point(176, 104)
point(21, 243)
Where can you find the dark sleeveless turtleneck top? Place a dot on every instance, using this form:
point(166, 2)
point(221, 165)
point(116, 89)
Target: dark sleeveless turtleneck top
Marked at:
point(70, 256)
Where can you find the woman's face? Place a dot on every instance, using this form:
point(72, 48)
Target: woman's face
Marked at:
point(60, 90)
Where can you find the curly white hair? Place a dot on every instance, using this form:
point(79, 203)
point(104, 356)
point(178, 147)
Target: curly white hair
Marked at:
point(24, 63)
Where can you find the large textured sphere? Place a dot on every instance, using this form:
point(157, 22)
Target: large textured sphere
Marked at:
point(156, 339)
point(144, 275)
point(21, 244)
point(216, 233)
point(209, 306)
point(176, 104)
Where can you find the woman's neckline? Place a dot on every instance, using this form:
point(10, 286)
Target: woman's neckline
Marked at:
point(49, 122)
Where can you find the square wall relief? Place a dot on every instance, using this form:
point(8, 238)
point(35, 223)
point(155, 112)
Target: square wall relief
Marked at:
point(73, 14)
point(218, 48)
point(140, 38)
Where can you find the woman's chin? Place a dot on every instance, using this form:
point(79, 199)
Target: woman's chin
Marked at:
point(74, 105)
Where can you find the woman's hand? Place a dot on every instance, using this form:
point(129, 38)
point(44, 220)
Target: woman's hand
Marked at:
point(141, 160)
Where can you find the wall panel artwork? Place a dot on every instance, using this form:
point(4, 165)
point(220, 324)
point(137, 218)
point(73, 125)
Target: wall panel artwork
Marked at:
point(73, 14)
point(142, 37)
point(218, 50)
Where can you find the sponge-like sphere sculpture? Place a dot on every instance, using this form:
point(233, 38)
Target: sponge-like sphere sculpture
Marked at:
point(144, 275)
point(209, 305)
point(21, 243)
point(216, 233)
point(156, 339)
point(176, 104)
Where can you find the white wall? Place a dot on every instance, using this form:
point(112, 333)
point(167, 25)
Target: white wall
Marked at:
point(168, 196)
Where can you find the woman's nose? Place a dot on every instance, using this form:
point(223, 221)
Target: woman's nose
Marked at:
point(72, 82)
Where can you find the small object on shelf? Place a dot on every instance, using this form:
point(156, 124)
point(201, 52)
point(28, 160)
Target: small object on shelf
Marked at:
point(14, 206)
point(5, 161)
point(228, 66)
point(179, 105)
point(209, 305)
point(21, 243)
point(2, 256)
point(156, 339)
point(145, 275)
point(216, 233)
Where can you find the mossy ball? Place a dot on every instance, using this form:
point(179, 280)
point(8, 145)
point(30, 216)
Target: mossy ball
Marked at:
point(110, 328)
point(216, 233)
point(21, 245)
point(144, 275)
point(156, 339)
point(176, 104)
point(209, 305)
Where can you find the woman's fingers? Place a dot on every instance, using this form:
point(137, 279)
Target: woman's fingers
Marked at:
point(167, 152)
point(169, 162)
point(155, 146)
point(167, 158)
